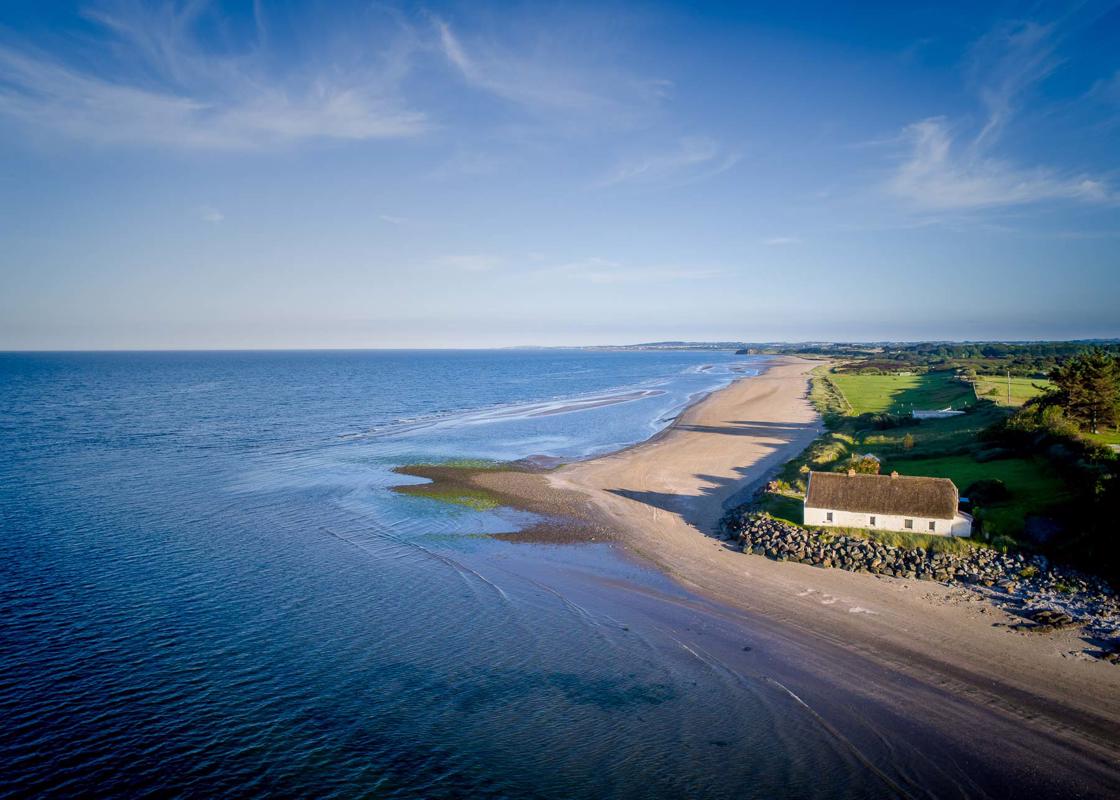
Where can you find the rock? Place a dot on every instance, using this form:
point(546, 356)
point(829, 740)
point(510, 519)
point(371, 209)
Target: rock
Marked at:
point(1057, 597)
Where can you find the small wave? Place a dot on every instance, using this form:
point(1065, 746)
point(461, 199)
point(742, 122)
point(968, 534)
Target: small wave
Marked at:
point(503, 413)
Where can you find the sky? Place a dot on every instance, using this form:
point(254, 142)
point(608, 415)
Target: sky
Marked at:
point(377, 174)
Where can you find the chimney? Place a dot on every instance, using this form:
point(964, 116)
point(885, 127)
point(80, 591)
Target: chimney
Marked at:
point(851, 472)
point(894, 474)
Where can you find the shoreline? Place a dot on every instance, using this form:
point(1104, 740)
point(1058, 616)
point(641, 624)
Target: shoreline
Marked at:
point(517, 483)
point(661, 500)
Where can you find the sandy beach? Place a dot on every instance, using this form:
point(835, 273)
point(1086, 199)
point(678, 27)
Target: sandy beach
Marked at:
point(667, 496)
point(662, 501)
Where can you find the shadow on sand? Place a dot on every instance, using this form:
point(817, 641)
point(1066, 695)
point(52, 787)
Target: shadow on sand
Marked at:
point(776, 439)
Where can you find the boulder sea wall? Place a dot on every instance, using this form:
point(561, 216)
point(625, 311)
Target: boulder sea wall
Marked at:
point(1045, 596)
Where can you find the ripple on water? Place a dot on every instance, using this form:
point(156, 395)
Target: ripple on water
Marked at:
point(206, 589)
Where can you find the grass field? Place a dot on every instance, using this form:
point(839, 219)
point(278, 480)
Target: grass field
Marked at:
point(1032, 483)
point(1022, 389)
point(1106, 436)
point(928, 438)
point(944, 448)
point(931, 436)
point(901, 393)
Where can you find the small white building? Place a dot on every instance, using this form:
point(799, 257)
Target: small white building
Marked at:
point(937, 414)
point(885, 502)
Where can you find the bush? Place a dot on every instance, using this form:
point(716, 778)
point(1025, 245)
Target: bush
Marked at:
point(865, 465)
point(1003, 543)
point(986, 491)
point(992, 454)
point(883, 421)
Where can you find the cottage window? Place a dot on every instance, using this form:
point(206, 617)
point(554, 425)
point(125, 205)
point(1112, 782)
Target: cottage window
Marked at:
point(871, 521)
point(828, 516)
point(908, 524)
point(932, 525)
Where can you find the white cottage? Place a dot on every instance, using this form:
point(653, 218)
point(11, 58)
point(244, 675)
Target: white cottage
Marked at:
point(886, 502)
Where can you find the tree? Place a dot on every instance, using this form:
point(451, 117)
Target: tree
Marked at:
point(1088, 388)
point(866, 465)
point(908, 441)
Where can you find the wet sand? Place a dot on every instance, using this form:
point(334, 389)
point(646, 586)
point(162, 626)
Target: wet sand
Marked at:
point(918, 651)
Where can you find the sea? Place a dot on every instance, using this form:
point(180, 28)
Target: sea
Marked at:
point(209, 589)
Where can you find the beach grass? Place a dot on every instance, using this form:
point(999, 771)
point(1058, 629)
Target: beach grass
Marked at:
point(935, 544)
point(826, 397)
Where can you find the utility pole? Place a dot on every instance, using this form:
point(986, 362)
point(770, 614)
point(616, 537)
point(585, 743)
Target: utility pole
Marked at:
point(1008, 387)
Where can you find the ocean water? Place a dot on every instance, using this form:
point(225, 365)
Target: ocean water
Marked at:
point(208, 589)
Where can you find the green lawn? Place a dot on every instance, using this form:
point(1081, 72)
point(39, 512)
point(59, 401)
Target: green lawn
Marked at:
point(1033, 485)
point(900, 394)
point(931, 437)
point(1105, 436)
point(945, 448)
point(928, 438)
point(780, 506)
point(994, 388)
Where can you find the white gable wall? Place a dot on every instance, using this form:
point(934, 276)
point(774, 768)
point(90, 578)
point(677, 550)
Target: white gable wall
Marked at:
point(961, 525)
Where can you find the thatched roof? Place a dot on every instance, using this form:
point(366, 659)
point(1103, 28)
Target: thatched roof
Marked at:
point(882, 494)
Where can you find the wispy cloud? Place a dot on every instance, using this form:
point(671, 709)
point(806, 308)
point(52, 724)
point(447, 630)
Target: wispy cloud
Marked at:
point(471, 163)
point(549, 77)
point(471, 262)
point(692, 159)
point(779, 241)
point(211, 214)
point(156, 84)
point(946, 170)
point(1004, 64)
point(935, 176)
point(1106, 90)
point(393, 219)
point(606, 271)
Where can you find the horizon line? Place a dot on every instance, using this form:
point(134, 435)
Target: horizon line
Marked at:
point(666, 343)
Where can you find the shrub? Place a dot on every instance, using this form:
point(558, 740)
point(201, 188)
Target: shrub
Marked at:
point(883, 422)
point(1003, 543)
point(992, 454)
point(865, 465)
point(987, 491)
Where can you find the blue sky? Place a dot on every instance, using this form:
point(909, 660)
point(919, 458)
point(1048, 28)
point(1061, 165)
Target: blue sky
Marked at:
point(381, 175)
